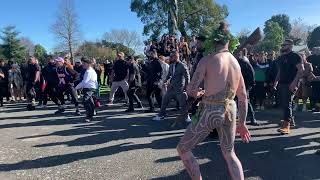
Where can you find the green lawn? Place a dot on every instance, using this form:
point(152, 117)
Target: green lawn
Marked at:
point(104, 90)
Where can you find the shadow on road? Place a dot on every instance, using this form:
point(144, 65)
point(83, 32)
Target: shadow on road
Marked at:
point(276, 157)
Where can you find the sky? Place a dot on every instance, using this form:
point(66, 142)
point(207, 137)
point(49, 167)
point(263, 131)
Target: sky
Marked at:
point(33, 18)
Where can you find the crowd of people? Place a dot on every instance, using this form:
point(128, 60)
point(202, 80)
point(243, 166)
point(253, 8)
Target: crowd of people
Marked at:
point(55, 80)
point(160, 80)
point(203, 87)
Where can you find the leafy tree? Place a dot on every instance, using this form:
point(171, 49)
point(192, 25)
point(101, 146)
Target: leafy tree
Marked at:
point(314, 38)
point(40, 53)
point(91, 49)
point(189, 16)
point(273, 37)
point(1, 52)
point(284, 22)
point(12, 47)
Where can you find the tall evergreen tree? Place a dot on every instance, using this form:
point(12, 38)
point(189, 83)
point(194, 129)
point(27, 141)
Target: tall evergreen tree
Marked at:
point(12, 47)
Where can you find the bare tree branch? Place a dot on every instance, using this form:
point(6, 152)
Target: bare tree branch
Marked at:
point(66, 27)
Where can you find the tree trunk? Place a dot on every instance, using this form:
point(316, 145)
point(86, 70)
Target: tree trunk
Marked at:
point(173, 18)
point(71, 53)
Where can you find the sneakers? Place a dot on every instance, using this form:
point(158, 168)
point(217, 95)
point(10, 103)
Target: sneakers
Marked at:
point(42, 106)
point(188, 120)
point(158, 118)
point(88, 119)
point(97, 104)
point(110, 103)
point(129, 110)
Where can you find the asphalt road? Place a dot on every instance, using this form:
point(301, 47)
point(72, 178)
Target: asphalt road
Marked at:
point(118, 145)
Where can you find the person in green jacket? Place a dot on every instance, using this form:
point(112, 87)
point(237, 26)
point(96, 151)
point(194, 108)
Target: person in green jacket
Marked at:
point(261, 71)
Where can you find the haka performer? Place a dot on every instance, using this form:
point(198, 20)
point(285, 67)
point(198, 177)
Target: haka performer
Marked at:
point(223, 81)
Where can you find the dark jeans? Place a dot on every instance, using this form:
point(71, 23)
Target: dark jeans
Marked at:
point(251, 113)
point(2, 93)
point(133, 97)
point(88, 102)
point(49, 90)
point(151, 88)
point(68, 90)
point(315, 98)
point(180, 96)
point(286, 102)
point(31, 94)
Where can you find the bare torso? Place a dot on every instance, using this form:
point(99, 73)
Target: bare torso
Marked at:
point(217, 71)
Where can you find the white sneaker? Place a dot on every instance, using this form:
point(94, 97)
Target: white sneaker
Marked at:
point(110, 104)
point(40, 106)
point(188, 120)
point(158, 118)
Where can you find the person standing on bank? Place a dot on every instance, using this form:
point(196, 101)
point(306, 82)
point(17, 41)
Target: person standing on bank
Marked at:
point(66, 78)
point(118, 78)
point(154, 75)
point(134, 84)
point(290, 72)
point(89, 85)
point(33, 76)
point(218, 109)
point(3, 84)
point(177, 80)
point(248, 74)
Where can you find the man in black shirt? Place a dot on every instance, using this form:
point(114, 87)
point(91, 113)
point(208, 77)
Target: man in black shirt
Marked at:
point(200, 51)
point(33, 76)
point(134, 84)
point(290, 72)
point(107, 71)
point(78, 66)
point(50, 76)
point(119, 76)
point(3, 83)
point(314, 59)
point(273, 72)
point(154, 75)
point(249, 80)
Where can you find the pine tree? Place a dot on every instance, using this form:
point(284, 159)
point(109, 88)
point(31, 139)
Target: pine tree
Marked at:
point(12, 48)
